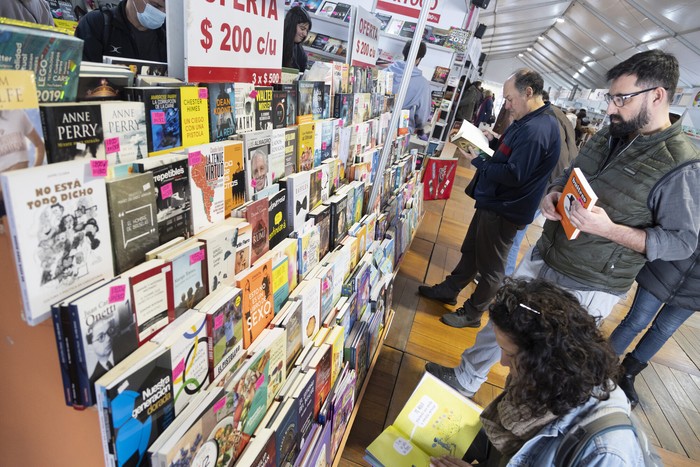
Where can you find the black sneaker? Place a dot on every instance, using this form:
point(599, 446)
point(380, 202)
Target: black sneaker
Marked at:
point(440, 292)
point(461, 319)
point(447, 376)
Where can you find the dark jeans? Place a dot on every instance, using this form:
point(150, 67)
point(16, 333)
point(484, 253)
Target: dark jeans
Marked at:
point(484, 251)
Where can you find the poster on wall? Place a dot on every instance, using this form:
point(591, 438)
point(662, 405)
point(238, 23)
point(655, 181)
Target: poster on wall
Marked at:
point(365, 39)
point(227, 41)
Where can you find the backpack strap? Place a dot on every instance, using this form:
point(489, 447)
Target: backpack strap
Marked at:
point(577, 440)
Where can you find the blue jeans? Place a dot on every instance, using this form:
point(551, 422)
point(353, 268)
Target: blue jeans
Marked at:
point(515, 249)
point(644, 307)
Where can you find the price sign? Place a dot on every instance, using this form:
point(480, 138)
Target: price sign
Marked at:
point(232, 40)
point(365, 39)
point(411, 8)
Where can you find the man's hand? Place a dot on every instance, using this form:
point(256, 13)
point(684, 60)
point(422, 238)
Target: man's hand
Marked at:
point(548, 206)
point(595, 221)
point(488, 134)
point(447, 461)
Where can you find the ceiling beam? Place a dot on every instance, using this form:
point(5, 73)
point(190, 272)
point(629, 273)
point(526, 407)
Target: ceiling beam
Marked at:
point(515, 9)
point(525, 21)
point(612, 26)
point(654, 19)
point(524, 31)
point(540, 69)
point(554, 67)
point(577, 62)
point(565, 78)
point(591, 37)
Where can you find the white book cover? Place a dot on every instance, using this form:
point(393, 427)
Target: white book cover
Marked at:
point(310, 297)
point(60, 232)
point(256, 154)
point(206, 164)
point(277, 155)
point(124, 127)
point(221, 255)
point(298, 192)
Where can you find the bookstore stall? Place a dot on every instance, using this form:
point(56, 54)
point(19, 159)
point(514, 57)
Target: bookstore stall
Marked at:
point(199, 254)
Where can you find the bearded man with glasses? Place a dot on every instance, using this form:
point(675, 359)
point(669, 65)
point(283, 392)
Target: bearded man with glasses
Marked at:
point(646, 174)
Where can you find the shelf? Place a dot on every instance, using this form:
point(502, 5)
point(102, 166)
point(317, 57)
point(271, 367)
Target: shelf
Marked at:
point(327, 19)
point(321, 53)
point(406, 39)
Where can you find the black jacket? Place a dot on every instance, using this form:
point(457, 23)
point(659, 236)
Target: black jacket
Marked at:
point(110, 33)
point(299, 59)
point(674, 282)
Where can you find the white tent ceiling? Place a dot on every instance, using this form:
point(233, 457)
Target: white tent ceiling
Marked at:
point(575, 42)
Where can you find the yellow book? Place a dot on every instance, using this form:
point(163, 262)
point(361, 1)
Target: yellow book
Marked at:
point(195, 115)
point(305, 151)
point(436, 421)
point(336, 338)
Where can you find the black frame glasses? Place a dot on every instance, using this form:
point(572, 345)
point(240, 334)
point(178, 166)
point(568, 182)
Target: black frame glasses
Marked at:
point(621, 99)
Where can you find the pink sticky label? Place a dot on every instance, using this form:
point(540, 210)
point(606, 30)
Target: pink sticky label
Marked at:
point(98, 167)
point(218, 322)
point(253, 183)
point(117, 293)
point(203, 93)
point(166, 191)
point(196, 257)
point(324, 145)
point(112, 145)
point(157, 117)
point(253, 94)
point(179, 369)
point(260, 381)
point(194, 158)
point(220, 404)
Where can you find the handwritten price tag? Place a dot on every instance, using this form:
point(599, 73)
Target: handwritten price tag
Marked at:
point(220, 404)
point(157, 117)
point(218, 322)
point(117, 293)
point(196, 257)
point(203, 93)
point(98, 167)
point(179, 369)
point(194, 158)
point(112, 145)
point(166, 191)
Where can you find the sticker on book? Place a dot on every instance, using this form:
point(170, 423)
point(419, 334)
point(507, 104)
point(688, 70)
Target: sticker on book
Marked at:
point(197, 257)
point(203, 93)
point(166, 191)
point(194, 158)
point(98, 167)
point(117, 293)
point(158, 117)
point(112, 145)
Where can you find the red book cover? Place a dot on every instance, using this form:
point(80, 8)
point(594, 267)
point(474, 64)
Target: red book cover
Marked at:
point(578, 190)
point(258, 310)
point(152, 299)
point(439, 178)
point(258, 217)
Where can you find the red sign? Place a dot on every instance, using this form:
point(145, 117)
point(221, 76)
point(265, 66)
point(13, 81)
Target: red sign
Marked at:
point(410, 8)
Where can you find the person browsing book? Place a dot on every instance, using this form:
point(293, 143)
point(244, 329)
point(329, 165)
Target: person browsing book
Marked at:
point(417, 100)
point(132, 29)
point(646, 174)
point(668, 292)
point(297, 26)
point(543, 332)
point(507, 188)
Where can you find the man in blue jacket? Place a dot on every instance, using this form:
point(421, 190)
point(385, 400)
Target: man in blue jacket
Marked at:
point(417, 99)
point(507, 188)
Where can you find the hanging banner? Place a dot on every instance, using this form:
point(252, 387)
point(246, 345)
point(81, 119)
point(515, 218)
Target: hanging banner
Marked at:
point(233, 40)
point(411, 8)
point(365, 39)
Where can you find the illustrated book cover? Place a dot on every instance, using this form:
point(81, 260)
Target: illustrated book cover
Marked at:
point(576, 190)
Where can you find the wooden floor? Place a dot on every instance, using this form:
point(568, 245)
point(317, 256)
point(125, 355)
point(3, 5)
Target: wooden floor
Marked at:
point(669, 387)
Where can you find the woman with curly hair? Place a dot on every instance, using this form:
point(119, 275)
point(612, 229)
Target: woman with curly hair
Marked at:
point(562, 374)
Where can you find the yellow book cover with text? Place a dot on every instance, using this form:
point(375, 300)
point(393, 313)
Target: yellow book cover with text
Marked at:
point(195, 115)
point(234, 178)
point(305, 151)
point(436, 421)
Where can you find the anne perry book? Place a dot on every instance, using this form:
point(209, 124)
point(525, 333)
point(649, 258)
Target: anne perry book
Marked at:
point(59, 226)
point(576, 190)
point(124, 128)
point(420, 431)
point(72, 131)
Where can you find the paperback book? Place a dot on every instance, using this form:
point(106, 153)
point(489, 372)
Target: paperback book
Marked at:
point(576, 190)
point(222, 111)
point(206, 170)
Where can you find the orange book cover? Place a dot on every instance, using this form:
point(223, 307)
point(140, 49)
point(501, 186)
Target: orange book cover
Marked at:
point(577, 189)
point(258, 310)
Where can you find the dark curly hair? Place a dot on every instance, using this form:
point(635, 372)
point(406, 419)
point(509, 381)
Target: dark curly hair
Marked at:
point(652, 68)
point(562, 355)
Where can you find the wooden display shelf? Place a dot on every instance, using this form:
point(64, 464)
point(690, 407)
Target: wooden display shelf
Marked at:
point(365, 383)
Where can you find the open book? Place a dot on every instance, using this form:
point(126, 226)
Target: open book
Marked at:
point(576, 190)
point(470, 136)
point(435, 421)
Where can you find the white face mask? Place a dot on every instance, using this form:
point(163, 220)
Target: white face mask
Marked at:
point(151, 17)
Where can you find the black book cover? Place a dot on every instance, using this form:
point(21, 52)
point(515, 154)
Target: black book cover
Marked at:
point(222, 111)
point(172, 191)
point(305, 97)
point(338, 214)
point(278, 218)
point(72, 131)
point(320, 41)
point(163, 117)
point(263, 108)
point(343, 108)
point(322, 218)
point(279, 109)
point(290, 150)
point(133, 219)
point(92, 87)
point(341, 11)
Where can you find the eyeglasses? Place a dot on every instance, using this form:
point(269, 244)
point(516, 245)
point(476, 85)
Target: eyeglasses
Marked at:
point(111, 332)
point(621, 99)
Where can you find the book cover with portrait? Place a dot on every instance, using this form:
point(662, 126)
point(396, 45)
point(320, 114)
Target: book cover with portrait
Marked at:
point(59, 227)
point(576, 190)
point(256, 147)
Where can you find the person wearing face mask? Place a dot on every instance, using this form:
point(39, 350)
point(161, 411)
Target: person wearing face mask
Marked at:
point(133, 29)
point(297, 25)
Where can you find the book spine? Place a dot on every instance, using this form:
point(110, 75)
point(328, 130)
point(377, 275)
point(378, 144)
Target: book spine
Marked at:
point(85, 389)
point(105, 431)
point(62, 356)
point(210, 342)
point(69, 338)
